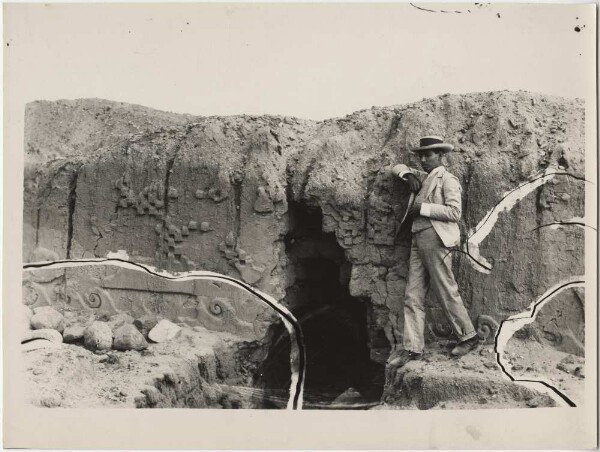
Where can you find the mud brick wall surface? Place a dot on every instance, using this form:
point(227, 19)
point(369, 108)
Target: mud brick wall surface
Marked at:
point(182, 192)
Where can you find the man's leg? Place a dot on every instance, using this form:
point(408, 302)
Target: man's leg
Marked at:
point(438, 262)
point(414, 302)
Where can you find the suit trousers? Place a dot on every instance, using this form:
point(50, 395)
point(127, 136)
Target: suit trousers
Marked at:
point(430, 266)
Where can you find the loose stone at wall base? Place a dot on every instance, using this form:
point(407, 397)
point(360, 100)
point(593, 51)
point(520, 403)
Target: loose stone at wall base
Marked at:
point(47, 317)
point(145, 323)
point(47, 334)
point(98, 336)
point(73, 333)
point(127, 337)
point(163, 331)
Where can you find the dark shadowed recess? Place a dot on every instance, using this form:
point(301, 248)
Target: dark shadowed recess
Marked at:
point(339, 371)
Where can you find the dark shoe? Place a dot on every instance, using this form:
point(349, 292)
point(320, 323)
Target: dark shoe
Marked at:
point(403, 357)
point(465, 347)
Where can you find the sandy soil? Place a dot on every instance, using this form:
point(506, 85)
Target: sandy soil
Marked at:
point(198, 369)
point(531, 360)
point(68, 375)
point(477, 381)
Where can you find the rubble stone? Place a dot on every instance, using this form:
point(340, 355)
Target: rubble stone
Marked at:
point(127, 337)
point(73, 333)
point(145, 323)
point(47, 334)
point(98, 336)
point(163, 331)
point(46, 317)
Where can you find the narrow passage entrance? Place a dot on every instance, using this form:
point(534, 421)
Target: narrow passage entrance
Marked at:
point(339, 371)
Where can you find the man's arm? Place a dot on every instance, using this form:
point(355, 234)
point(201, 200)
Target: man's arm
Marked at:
point(451, 209)
point(402, 171)
point(411, 176)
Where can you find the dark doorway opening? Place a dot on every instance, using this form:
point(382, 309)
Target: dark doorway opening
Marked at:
point(339, 371)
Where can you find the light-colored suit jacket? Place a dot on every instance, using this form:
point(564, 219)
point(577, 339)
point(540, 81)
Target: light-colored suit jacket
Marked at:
point(442, 203)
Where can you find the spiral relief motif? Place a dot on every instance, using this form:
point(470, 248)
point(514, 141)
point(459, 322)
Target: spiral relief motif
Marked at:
point(215, 307)
point(487, 328)
point(94, 300)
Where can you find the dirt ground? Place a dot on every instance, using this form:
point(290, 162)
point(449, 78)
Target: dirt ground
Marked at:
point(476, 381)
point(197, 369)
point(191, 370)
point(531, 360)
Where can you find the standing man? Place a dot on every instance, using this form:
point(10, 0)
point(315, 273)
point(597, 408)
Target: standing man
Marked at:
point(436, 212)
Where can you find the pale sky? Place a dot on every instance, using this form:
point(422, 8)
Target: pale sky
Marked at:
point(312, 61)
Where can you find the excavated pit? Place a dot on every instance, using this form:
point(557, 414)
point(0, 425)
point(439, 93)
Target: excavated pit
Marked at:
point(339, 371)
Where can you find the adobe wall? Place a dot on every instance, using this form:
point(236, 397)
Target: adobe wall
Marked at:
point(211, 193)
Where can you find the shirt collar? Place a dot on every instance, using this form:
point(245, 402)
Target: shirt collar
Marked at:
point(436, 171)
